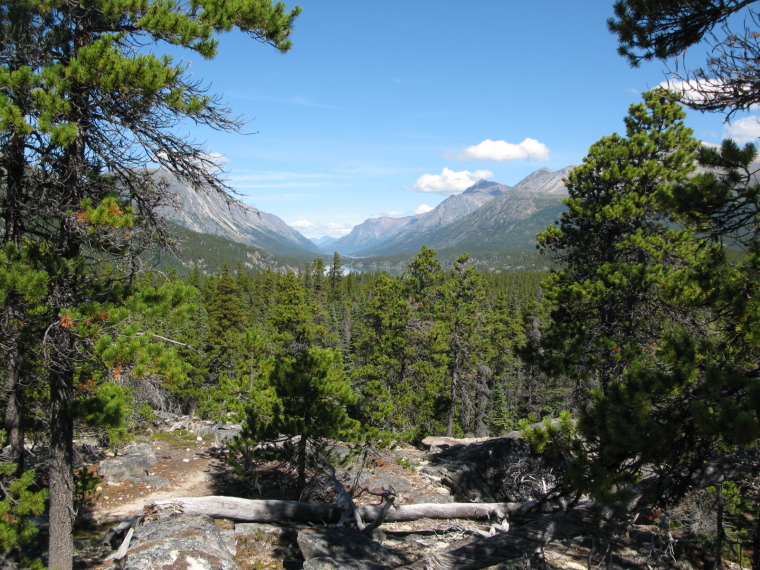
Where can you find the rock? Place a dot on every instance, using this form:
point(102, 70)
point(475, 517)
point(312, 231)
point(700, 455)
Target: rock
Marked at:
point(341, 543)
point(396, 482)
point(503, 469)
point(326, 563)
point(228, 537)
point(136, 461)
point(261, 529)
point(218, 431)
point(180, 542)
point(227, 432)
point(264, 544)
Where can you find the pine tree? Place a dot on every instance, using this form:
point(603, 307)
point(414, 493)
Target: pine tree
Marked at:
point(86, 110)
point(615, 245)
point(22, 290)
point(311, 396)
point(628, 313)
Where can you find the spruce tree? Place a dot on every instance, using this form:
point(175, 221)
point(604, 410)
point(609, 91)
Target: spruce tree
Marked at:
point(381, 374)
point(226, 322)
point(335, 279)
point(426, 350)
point(296, 324)
point(463, 320)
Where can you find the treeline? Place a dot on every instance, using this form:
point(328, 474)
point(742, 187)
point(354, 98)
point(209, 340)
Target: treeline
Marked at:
point(430, 351)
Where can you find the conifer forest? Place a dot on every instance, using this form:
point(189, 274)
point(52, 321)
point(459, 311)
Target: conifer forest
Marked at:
point(642, 343)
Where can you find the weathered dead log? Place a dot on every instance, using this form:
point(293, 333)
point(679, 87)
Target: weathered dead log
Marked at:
point(586, 518)
point(249, 510)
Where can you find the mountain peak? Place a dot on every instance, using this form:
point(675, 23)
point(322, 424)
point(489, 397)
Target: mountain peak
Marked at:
point(484, 186)
point(545, 181)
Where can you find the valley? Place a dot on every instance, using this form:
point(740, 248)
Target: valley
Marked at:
point(495, 223)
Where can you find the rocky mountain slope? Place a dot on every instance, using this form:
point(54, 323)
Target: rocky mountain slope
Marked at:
point(384, 234)
point(511, 220)
point(209, 213)
point(483, 217)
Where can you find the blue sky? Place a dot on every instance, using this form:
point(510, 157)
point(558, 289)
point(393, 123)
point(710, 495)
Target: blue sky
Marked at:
point(387, 108)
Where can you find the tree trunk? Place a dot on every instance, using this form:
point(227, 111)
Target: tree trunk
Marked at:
point(61, 547)
point(12, 421)
point(302, 449)
point(720, 530)
point(13, 412)
point(249, 510)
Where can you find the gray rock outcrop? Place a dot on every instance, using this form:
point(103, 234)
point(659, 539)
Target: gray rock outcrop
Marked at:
point(322, 547)
point(135, 462)
point(180, 541)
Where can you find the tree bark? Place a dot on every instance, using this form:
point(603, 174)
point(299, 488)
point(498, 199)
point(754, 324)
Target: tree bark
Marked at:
point(280, 511)
point(13, 405)
point(61, 547)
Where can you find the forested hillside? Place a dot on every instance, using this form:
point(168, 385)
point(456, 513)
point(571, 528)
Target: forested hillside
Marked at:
point(635, 329)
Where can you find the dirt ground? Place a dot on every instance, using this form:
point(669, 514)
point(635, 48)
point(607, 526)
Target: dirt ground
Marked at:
point(193, 468)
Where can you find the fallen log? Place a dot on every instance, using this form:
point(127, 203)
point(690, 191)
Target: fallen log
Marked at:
point(250, 510)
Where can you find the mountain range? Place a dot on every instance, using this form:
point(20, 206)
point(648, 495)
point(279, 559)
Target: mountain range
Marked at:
point(487, 214)
point(486, 217)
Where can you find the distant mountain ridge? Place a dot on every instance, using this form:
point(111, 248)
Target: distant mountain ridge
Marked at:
point(375, 232)
point(487, 216)
point(483, 216)
point(209, 213)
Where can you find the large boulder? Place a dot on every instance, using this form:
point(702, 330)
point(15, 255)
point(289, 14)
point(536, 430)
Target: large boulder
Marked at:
point(343, 546)
point(179, 542)
point(136, 461)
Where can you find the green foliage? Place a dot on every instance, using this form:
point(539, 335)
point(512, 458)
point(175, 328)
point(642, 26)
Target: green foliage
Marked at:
point(309, 398)
point(617, 246)
point(463, 324)
point(18, 505)
point(646, 314)
point(555, 437)
point(86, 492)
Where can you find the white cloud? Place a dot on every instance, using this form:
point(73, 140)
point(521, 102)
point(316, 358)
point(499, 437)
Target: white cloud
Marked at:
point(502, 151)
point(449, 182)
point(341, 229)
point(320, 229)
point(423, 209)
point(746, 129)
point(698, 90)
point(392, 213)
point(695, 91)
